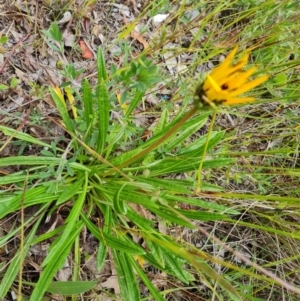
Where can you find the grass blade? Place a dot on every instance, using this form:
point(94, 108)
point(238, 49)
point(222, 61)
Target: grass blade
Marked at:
point(103, 115)
point(57, 261)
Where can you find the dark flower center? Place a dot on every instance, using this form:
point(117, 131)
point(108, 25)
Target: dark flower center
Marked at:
point(224, 87)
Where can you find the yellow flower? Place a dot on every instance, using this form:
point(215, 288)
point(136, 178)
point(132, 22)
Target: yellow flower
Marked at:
point(226, 82)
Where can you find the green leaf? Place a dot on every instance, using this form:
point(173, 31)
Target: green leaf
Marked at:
point(153, 290)
point(280, 79)
point(140, 198)
point(180, 186)
point(156, 253)
point(17, 177)
point(70, 287)
point(120, 273)
point(195, 260)
point(112, 241)
point(53, 32)
point(87, 103)
point(202, 216)
point(14, 82)
point(188, 129)
point(57, 260)
point(125, 270)
point(176, 266)
point(102, 250)
point(40, 161)
point(118, 202)
point(33, 196)
point(70, 223)
point(3, 40)
point(140, 221)
point(134, 102)
point(3, 87)
point(169, 215)
point(70, 191)
point(103, 115)
point(197, 147)
point(101, 67)
point(163, 122)
point(181, 164)
point(200, 203)
point(22, 136)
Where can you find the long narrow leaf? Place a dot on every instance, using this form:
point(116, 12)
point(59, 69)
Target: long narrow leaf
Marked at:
point(134, 102)
point(87, 103)
point(71, 222)
point(55, 264)
point(155, 293)
point(103, 115)
point(17, 177)
point(40, 161)
point(102, 250)
point(131, 281)
point(22, 136)
point(70, 287)
point(189, 128)
point(31, 197)
point(120, 274)
point(101, 67)
point(112, 241)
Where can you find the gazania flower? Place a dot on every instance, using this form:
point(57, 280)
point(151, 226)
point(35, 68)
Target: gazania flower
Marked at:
point(226, 82)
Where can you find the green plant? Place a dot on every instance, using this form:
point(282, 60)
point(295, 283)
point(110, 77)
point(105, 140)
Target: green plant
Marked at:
point(86, 174)
point(100, 175)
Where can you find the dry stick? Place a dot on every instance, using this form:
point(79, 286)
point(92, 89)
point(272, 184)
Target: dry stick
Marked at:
point(12, 51)
point(156, 144)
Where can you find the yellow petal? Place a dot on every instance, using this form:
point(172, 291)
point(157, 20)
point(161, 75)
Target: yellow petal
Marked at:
point(240, 78)
point(246, 87)
point(231, 69)
point(213, 83)
point(226, 63)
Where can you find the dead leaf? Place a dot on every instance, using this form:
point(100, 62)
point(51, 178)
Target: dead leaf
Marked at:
point(112, 282)
point(146, 135)
point(66, 18)
point(136, 35)
point(86, 51)
point(65, 273)
point(86, 23)
point(139, 37)
point(159, 18)
point(169, 56)
point(68, 38)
